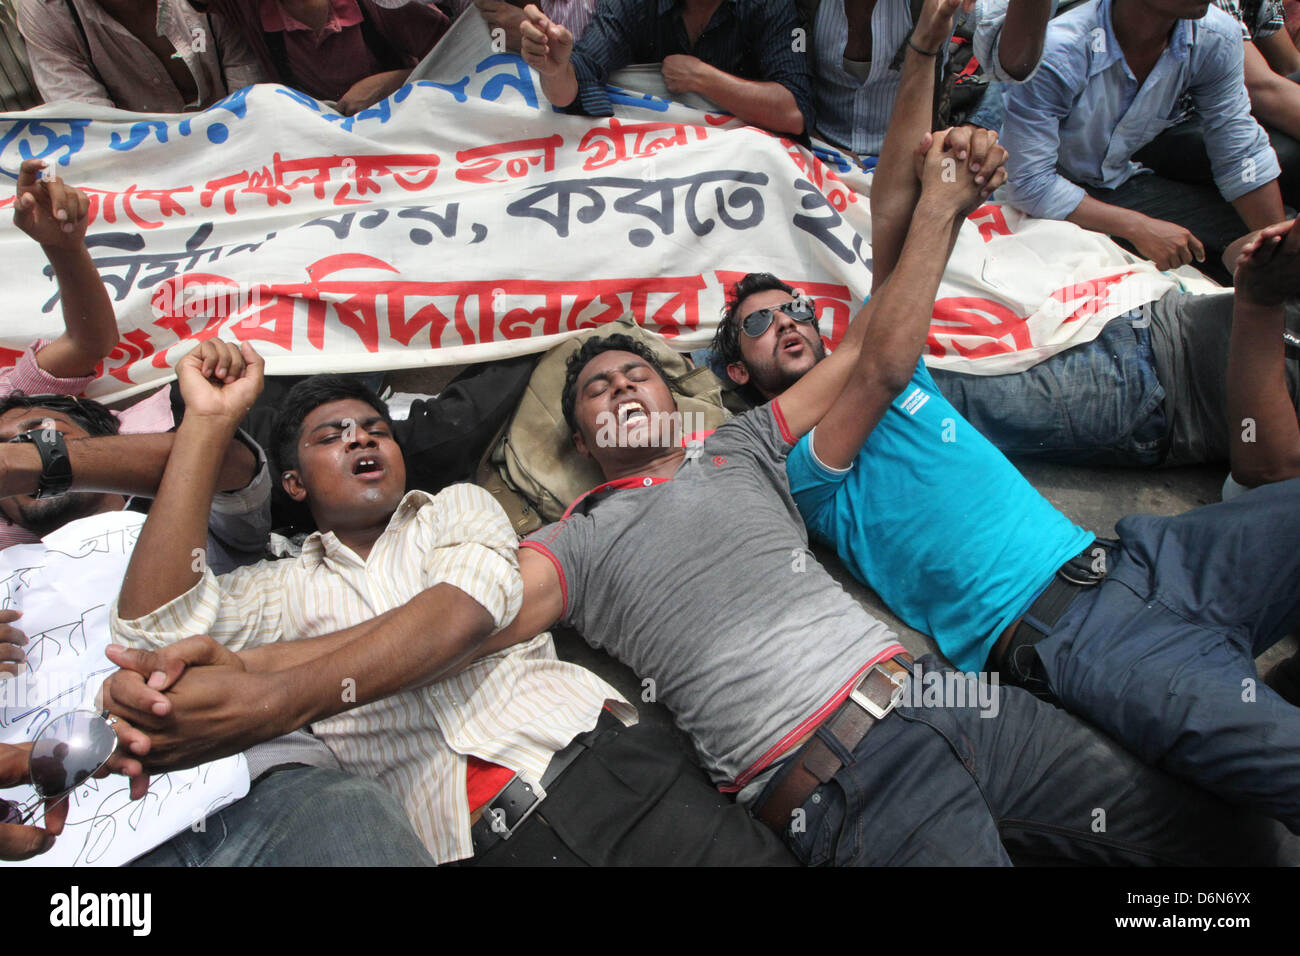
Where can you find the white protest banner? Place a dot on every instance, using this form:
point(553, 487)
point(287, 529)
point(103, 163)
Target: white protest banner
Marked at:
point(464, 219)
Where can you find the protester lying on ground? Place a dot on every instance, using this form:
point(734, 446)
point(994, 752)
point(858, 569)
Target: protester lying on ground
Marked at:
point(56, 215)
point(302, 810)
point(758, 654)
point(157, 56)
point(443, 437)
point(508, 15)
point(763, 649)
point(39, 461)
point(1113, 74)
point(1151, 637)
point(740, 54)
point(854, 48)
point(404, 586)
point(351, 52)
point(1272, 68)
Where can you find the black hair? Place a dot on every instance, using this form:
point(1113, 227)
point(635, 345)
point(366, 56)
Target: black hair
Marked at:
point(86, 412)
point(303, 399)
point(618, 342)
point(726, 341)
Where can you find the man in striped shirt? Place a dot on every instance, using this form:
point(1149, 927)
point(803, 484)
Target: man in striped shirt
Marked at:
point(368, 637)
point(302, 810)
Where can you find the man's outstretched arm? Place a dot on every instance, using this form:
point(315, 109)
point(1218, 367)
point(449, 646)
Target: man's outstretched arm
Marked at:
point(896, 187)
point(219, 385)
point(119, 464)
point(1264, 436)
point(56, 215)
point(195, 701)
point(895, 339)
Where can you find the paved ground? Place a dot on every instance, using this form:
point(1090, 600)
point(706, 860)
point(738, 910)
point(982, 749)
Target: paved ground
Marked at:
point(1095, 498)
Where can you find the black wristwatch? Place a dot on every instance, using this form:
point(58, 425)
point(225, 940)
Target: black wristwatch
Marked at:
point(56, 466)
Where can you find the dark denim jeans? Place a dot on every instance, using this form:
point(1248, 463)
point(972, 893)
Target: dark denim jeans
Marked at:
point(1097, 404)
point(301, 816)
point(1162, 654)
point(1033, 784)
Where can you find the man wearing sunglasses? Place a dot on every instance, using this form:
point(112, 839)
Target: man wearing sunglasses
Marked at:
point(1152, 637)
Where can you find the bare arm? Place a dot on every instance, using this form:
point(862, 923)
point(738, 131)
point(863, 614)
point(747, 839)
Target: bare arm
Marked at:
point(1260, 207)
point(895, 340)
point(226, 702)
point(121, 464)
point(757, 102)
point(161, 567)
point(1274, 99)
point(1279, 50)
point(56, 215)
point(1166, 244)
point(1021, 44)
point(895, 187)
point(1264, 436)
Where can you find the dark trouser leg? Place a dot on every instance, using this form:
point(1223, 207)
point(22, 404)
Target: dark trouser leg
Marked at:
point(1161, 655)
point(301, 816)
point(945, 785)
point(1198, 209)
point(1288, 157)
point(634, 799)
point(1099, 403)
point(1179, 154)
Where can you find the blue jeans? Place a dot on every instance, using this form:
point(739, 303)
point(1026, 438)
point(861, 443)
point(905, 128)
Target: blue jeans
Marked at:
point(1099, 403)
point(946, 786)
point(301, 816)
point(1161, 655)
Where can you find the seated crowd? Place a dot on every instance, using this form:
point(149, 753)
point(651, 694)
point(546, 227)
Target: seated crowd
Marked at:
point(341, 548)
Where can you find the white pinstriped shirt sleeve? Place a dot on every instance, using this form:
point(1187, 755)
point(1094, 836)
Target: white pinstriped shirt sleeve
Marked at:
point(515, 708)
point(471, 548)
point(238, 610)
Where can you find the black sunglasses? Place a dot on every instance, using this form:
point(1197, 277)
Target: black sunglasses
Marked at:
point(756, 323)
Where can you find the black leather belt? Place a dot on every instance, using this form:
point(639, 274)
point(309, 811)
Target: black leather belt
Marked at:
point(876, 693)
point(1019, 661)
point(516, 801)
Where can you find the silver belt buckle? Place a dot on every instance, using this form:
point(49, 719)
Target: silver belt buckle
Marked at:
point(496, 815)
point(861, 699)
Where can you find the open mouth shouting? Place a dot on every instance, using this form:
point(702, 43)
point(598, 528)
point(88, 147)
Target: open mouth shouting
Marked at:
point(631, 413)
point(792, 344)
point(368, 467)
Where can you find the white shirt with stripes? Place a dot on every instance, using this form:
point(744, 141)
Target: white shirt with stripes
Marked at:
point(515, 708)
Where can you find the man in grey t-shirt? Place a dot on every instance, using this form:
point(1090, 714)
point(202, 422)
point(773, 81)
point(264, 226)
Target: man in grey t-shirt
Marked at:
point(689, 564)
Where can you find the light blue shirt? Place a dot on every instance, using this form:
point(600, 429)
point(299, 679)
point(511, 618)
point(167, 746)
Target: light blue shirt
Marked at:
point(1080, 118)
point(950, 535)
point(854, 113)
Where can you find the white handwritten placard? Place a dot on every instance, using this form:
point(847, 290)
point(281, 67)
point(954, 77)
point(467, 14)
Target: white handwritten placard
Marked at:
point(64, 587)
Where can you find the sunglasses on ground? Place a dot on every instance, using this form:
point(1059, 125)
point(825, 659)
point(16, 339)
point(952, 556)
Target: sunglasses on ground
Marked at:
point(756, 323)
